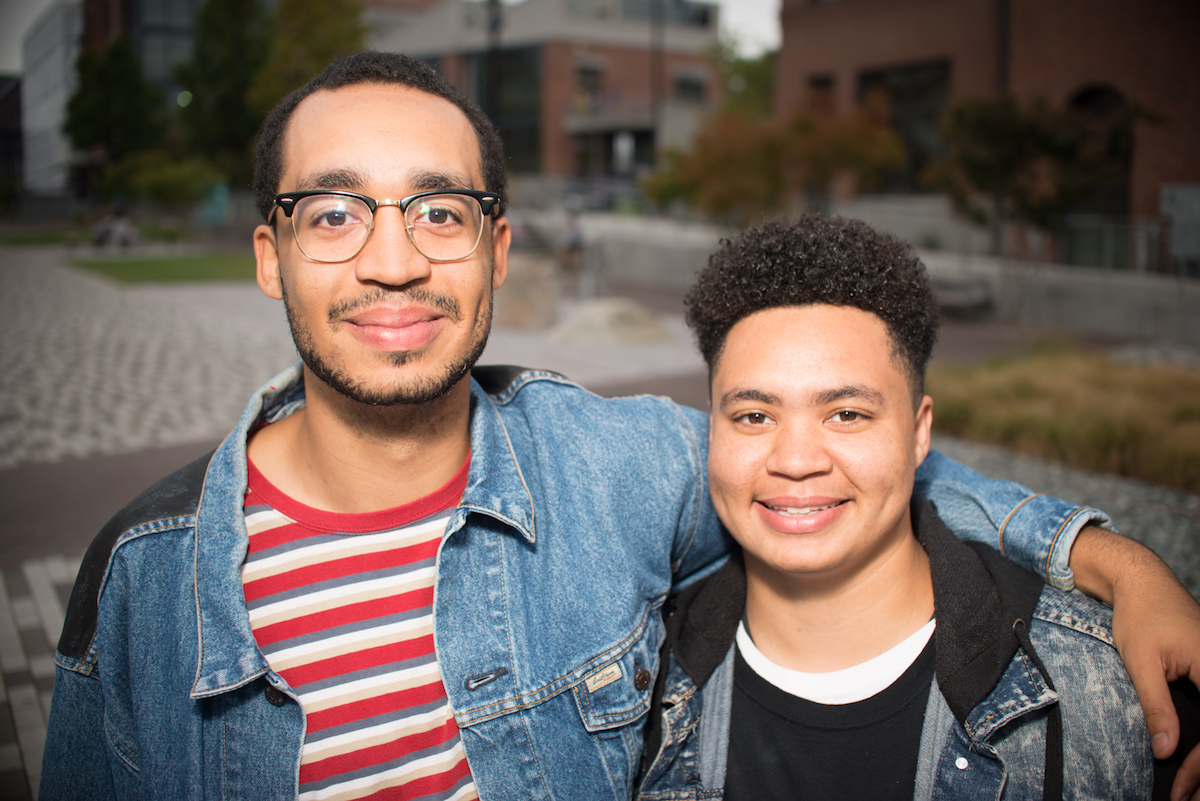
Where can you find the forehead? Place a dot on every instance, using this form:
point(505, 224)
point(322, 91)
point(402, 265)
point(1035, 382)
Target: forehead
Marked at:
point(389, 134)
point(808, 348)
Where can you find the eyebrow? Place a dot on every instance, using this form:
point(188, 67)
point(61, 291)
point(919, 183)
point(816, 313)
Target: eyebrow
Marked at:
point(849, 392)
point(438, 180)
point(736, 395)
point(333, 179)
point(350, 179)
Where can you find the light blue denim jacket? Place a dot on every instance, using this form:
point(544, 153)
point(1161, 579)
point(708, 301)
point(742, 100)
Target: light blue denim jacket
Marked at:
point(999, 636)
point(580, 514)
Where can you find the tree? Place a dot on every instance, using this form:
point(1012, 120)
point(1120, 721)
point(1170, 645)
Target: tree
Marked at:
point(303, 37)
point(1009, 160)
point(171, 184)
point(113, 111)
point(748, 83)
point(228, 49)
point(741, 168)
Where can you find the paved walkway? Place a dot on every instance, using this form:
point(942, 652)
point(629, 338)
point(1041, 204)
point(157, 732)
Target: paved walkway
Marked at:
point(104, 389)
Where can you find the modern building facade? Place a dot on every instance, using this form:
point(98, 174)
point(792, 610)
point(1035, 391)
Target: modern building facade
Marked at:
point(160, 32)
point(586, 88)
point(48, 54)
point(1099, 55)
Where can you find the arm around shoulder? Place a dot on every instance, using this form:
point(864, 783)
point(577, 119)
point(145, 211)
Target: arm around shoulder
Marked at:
point(1035, 531)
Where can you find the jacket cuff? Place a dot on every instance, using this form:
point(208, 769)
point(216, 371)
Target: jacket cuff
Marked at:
point(1038, 510)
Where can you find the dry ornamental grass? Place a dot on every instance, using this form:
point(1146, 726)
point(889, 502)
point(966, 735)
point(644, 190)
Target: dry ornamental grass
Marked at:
point(1083, 409)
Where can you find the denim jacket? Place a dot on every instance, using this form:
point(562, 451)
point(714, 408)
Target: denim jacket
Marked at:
point(579, 516)
point(1024, 676)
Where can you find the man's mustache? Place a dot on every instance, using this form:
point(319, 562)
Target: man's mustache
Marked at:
point(445, 304)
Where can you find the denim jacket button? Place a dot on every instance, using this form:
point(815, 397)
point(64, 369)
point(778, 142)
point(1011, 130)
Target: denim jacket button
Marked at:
point(275, 696)
point(641, 680)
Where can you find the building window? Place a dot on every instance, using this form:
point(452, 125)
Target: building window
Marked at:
point(692, 88)
point(820, 98)
point(915, 95)
point(589, 78)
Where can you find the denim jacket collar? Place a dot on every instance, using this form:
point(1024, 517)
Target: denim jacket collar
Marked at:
point(229, 656)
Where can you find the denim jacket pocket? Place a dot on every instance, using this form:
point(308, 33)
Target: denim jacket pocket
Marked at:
point(618, 693)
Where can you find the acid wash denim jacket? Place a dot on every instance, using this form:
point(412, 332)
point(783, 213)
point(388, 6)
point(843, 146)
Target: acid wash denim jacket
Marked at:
point(1028, 694)
point(579, 516)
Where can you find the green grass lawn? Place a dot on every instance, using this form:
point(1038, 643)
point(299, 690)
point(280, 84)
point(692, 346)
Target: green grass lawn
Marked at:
point(194, 267)
point(1080, 408)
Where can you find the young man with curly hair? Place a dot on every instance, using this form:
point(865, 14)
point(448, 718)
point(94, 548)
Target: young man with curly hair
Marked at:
point(855, 648)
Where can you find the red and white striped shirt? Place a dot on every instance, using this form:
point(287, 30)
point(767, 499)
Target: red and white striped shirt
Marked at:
point(342, 607)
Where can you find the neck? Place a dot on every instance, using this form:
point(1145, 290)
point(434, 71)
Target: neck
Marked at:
point(820, 625)
point(339, 455)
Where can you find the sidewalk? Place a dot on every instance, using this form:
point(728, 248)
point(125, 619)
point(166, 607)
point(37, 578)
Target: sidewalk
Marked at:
point(32, 604)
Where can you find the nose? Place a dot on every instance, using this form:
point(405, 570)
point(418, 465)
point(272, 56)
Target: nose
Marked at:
point(389, 257)
point(798, 452)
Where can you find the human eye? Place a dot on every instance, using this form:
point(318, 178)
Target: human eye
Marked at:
point(332, 213)
point(847, 417)
point(441, 213)
point(753, 419)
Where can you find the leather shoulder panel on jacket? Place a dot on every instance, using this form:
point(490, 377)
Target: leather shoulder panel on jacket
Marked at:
point(176, 495)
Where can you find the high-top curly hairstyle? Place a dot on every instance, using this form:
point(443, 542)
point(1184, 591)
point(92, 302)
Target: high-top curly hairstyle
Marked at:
point(372, 68)
point(817, 259)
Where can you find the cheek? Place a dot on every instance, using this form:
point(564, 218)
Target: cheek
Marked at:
point(733, 465)
point(878, 461)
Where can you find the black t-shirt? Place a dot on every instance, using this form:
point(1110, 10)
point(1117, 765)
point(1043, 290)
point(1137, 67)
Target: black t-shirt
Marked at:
point(785, 747)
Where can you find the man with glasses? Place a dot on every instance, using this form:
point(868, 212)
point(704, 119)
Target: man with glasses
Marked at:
point(402, 577)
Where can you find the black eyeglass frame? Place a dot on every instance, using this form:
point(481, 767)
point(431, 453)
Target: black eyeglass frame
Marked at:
point(488, 202)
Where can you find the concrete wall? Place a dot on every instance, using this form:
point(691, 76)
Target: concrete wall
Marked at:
point(663, 254)
point(1120, 305)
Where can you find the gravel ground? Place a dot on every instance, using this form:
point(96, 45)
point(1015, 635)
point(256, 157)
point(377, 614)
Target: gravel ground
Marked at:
point(1164, 519)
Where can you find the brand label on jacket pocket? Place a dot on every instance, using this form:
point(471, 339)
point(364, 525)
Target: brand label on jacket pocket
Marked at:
point(603, 678)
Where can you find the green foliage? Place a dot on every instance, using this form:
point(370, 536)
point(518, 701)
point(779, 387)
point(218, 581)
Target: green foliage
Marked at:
point(732, 172)
point(1079, 408)
point(1009, 160)
point(748, 83)
point(303, 37)
point(168, 182)
point(741, 168)
point(113, 111)
point(200, 267)
point(228, 49)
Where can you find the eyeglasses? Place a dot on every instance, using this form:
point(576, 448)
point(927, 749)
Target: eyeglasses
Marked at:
point(332, 227)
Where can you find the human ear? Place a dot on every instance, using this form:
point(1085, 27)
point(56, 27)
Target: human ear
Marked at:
point(266, 257)
point(501, 239)
point(922, 429)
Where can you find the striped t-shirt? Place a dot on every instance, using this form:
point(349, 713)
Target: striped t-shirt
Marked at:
point(342, 607)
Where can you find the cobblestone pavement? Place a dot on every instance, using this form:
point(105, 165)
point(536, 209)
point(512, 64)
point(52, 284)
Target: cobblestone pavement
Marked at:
point(90, 367)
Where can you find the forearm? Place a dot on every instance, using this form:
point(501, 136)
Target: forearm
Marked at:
point(1035, 531)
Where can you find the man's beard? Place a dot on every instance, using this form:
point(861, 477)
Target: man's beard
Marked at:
point(413, 394)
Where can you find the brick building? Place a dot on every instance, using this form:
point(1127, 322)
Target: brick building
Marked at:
point(1098, 54)
point(587, 87)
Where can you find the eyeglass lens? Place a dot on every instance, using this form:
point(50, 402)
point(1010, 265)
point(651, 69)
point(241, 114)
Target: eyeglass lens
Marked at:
point(334, 228)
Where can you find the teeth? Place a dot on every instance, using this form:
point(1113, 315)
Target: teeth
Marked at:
point(800, 511)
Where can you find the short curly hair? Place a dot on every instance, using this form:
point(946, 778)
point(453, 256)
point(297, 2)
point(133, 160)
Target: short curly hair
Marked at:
point(373, 68)
point(817, 259)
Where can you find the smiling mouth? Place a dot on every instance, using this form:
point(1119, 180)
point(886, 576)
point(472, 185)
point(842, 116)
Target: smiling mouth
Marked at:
point(801, 511)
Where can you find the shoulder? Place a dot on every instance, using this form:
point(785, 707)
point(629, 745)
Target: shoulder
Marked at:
point(1072, 615)
point(170, 503)
point(535, 394)
point(1106, 747)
